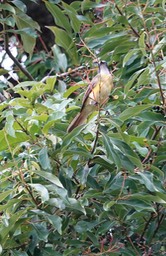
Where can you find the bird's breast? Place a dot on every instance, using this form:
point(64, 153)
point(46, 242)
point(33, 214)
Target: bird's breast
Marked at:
point(100, 93)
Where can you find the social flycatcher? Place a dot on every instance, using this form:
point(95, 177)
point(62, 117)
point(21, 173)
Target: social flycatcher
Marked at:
point(96, 95)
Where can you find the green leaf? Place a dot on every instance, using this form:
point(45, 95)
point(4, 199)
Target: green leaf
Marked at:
point(141, 150)
point(63, 39)
point(73, 89)
point(44, 159)
point(4, 194)
point(131, 81)
point(20, 5)
point(12, 141)
point(9, 204)
point(138, 205)
point(42, 191)
point(60, 18)
point(7, 7)
point(75, 22)
point(24, 21)
point(18, 253)
point(48, 176)
point(60, 58)
point(158, 47)
point(13, 219)
point(142, 44)
point(108, 205)
point(104, 161)
point(83, 226)
point(111, 152)
point(56, 221)
point(76, 205)
point(51, 121)
point(147, 180)
point(69, 137)
point(153, 117)
point(144, 77)
point(157, 171)
point(130, 55)
point(42, 231)
point(9, 124)
point(61, 86)
point(50, 83)
point(133, 111)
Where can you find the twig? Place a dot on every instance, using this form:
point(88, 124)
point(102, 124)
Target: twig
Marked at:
point(71, 71)
point(43, 44)
point(95, 142)
point(146, 226)
point(95, 57)
point(28, 189)
point(16, 62)
point(121, 13)
point(129, 239)
point(2, 98)
point(159, 83)
point(150, 150)
point(159, 219)
point(153, 59)
point(122, 187)
point(155, 67)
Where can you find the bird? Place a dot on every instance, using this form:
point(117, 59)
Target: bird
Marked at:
point(96, 95)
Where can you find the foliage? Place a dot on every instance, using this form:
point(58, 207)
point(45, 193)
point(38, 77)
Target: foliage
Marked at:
point(99, 190)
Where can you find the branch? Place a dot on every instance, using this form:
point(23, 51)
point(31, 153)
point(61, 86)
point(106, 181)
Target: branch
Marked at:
point(160, 219)
point(159, 83)
point(121, 13)
point(153, 60)
point(93, 55)
point(2, 98)
point(158, 224)
point(149, 154)
point(134, 248)
point(71, 71)
point(16, 62)
point(146, 226)
point(134, 31)
point(28, 189)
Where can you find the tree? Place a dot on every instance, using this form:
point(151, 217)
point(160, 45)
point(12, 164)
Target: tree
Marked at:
point(99, 190)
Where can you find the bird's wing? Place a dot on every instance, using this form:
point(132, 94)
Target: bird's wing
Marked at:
point(89, 89)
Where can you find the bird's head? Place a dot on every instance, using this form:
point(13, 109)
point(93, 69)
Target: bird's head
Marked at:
point(103, 68)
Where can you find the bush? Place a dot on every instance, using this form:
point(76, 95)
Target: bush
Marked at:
point(99, 190)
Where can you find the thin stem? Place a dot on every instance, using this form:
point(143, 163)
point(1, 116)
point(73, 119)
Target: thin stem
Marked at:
point(154, 63)
point(94, 56)
point(43, 44)
point(28, 189)
point(146, 226)
point(159, 83)
point(158, 225)
point(129, 239)
point(150, 150)
point(121, 13)
point(16, 62)
point(71, 71)
point(23, 129)
point(2, 98)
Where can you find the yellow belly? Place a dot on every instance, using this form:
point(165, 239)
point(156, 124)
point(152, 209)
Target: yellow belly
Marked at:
point(100, 92)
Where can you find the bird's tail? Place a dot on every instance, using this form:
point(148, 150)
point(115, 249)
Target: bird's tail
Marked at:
point(78, 120)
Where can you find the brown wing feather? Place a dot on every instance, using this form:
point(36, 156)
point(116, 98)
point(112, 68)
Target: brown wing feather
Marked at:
point(89, 89)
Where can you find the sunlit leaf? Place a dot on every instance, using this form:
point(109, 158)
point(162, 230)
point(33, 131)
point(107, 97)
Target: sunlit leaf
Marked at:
point(42, 191)
point(44, 159)
point(48, 176)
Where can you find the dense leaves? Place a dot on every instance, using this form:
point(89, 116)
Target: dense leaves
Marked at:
point(99, 190)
